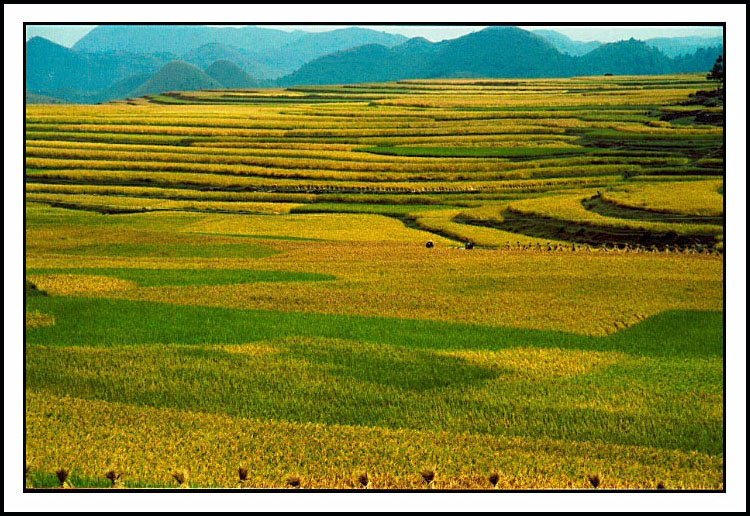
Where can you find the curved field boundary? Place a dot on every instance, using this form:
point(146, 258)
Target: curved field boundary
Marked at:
point(491, 220)
point(604, 206)
point(566, 218)
point(699, 199)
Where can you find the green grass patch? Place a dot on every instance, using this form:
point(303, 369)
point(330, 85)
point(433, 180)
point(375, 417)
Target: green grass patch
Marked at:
point(111, 322)
point(653, 140)
point(174, 250)
point(179, 277)
point(657, 384)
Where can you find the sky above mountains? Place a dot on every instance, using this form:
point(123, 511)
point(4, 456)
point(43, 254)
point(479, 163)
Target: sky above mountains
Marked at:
point(67, 35)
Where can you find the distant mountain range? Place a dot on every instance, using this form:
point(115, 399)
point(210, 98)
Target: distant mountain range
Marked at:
point(179, 39)
point(114, 62)
point(670, 47)
point(493, 52)
point(264, 53)
point(676, 47)
point(566, 45)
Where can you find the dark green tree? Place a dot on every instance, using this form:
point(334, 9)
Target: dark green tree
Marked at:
point(717, 73)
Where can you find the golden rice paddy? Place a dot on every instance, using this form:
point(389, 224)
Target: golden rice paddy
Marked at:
point(242, 279)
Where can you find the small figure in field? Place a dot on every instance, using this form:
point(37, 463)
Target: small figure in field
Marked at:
point(114, 477)
point(242, 473)
point(428, 476)
point(469, 245)
point(429, 244)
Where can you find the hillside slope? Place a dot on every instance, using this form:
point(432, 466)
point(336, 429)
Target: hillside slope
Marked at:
point(631, 57)
point(177, 76)
point(230, 75)
point(52, 69)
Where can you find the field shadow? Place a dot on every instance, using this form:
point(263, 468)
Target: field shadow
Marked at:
point(392, 366)
point(111, 322)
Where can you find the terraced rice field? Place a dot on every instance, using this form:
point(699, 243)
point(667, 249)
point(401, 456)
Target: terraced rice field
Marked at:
point(239, 279)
